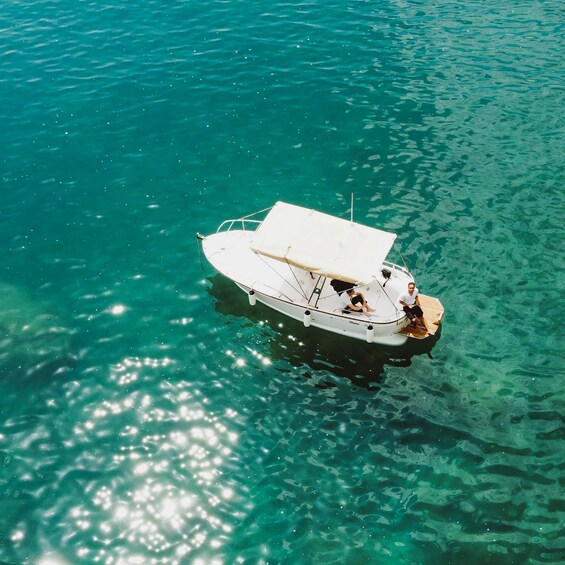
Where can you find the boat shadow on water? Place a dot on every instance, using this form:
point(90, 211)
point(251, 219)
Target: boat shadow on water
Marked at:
point(288, 340)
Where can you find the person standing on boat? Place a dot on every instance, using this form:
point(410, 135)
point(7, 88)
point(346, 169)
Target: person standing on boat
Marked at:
point(354, 301)
point(411, 305)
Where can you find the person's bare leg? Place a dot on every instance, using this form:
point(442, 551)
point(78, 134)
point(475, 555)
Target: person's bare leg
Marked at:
point(366, 306)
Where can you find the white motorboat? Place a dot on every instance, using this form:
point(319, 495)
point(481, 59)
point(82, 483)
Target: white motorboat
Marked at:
point(299, 261)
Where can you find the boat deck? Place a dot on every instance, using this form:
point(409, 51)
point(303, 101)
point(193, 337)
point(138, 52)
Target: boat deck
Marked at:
point(230, 253)
point(433, 314)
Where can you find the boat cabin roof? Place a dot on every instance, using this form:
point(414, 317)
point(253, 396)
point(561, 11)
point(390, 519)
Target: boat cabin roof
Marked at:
point(322, 244)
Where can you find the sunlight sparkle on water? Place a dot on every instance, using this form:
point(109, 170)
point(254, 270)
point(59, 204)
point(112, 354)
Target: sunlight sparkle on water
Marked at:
point(128, 370)
point(122, 512)
point(117, 309)
point(18, 535)
point(154, 506)
point(52, 560)
point(227, 493)
point(259, 356)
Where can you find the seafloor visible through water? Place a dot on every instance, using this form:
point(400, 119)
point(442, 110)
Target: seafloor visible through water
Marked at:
point(148, 414)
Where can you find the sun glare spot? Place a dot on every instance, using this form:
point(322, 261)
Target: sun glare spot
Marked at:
point(227, 493)
point(183, 549)
point(122, 512)
point(18, 535)
point(188, 501)
point(141, 469)
point(117, 309)
point(168, 508)
point(51, 560)
point(161, 466)
point(178, 438)
point(130, 431)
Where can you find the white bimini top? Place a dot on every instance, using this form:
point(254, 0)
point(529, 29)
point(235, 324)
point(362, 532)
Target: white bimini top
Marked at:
point(323, 244)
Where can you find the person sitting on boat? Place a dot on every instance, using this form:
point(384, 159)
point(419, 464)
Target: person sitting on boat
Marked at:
point(411, 305)
point(353, 301)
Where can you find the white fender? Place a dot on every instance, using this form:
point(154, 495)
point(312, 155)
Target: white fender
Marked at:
point(370, 333)
point(307, 318)
point(252, 297)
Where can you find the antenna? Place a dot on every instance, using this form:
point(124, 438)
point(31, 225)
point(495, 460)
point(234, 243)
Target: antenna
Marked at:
point(352, 207)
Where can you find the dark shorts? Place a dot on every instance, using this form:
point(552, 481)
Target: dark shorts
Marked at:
point(413, 312)
point(355, 300)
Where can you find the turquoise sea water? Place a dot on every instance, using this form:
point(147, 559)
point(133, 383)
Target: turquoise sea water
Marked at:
point(147, 413)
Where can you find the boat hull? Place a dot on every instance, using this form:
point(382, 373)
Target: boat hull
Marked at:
point(349, 325)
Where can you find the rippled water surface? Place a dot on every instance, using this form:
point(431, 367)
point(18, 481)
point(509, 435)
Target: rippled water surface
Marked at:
point(147, 413)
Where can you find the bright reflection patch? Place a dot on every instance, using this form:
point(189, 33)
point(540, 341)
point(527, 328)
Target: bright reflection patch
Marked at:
point(241, 362)
point(52, 560)
point(117, 309)
point(165, 498)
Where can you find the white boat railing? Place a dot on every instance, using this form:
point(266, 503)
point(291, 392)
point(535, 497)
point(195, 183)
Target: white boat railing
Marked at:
point(396, 267)
point(238, 221)
point(242, 221)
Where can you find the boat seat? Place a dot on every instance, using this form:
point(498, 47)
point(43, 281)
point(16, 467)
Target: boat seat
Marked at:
point(340, 286)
